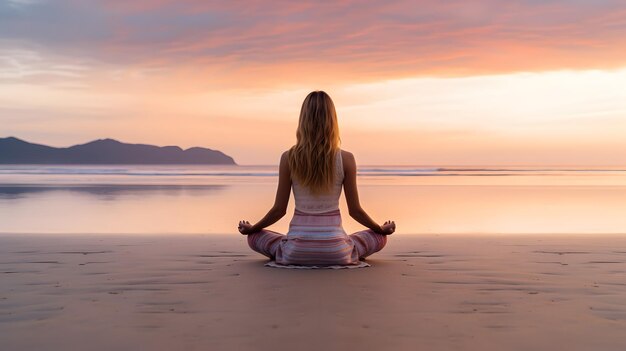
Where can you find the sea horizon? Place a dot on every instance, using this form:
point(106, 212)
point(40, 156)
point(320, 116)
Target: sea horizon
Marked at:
point(211, 199)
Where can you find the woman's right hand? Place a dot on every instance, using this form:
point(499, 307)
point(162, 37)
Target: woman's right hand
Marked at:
point(245, 227)
point(388, 228)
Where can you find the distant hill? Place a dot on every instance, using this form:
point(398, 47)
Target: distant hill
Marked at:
point(107, 151)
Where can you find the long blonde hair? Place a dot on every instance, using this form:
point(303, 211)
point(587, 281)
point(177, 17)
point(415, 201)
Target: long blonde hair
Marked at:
point(311, 160)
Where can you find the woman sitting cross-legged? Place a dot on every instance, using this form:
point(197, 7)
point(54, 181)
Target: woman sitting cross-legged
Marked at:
point(317, 169)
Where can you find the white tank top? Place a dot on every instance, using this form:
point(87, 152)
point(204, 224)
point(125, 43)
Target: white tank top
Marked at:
point(310, 203)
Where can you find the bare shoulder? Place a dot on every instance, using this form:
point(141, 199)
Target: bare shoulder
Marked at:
point(348, 160)
point(284, 160)
point(347, 155)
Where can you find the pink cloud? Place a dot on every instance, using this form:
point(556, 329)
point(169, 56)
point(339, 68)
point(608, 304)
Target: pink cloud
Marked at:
point(357, 38)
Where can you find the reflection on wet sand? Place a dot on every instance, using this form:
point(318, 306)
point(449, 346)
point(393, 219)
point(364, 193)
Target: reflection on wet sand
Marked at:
point(108, 191)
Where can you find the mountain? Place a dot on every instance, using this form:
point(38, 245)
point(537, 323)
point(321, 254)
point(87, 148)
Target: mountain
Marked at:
point(107, 151)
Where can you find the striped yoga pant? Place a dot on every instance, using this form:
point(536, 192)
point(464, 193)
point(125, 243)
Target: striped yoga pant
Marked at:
point(316, 238)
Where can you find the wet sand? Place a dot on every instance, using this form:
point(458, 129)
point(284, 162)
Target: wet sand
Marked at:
point(210, 292)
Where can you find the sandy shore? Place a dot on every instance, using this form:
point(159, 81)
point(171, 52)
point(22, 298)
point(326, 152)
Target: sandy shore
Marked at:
point(211, 293)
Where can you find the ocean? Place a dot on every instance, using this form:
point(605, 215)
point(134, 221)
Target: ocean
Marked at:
point(122, 199)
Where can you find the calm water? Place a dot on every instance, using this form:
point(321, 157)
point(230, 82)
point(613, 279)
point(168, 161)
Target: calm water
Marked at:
point(212, 199)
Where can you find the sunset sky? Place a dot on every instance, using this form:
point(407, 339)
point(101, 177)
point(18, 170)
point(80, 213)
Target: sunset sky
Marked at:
point(521, 82)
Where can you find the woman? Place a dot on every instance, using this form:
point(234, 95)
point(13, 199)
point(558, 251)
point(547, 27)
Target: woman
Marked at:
point(317, 168)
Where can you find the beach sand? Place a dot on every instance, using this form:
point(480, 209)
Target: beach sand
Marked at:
point(210, 292)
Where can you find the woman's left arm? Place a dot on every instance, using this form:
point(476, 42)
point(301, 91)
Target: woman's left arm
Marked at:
point(282, 197)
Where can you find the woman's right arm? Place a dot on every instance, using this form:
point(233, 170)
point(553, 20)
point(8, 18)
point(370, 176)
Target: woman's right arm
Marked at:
point(352, 198)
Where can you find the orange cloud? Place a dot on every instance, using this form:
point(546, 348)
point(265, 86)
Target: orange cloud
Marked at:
point(349, 40)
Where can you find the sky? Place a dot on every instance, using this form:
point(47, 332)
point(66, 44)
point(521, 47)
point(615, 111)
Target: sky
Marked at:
point(521, 82)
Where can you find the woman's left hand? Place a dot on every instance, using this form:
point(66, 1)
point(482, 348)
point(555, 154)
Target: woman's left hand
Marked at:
point(388, 228)
point(245, 227)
